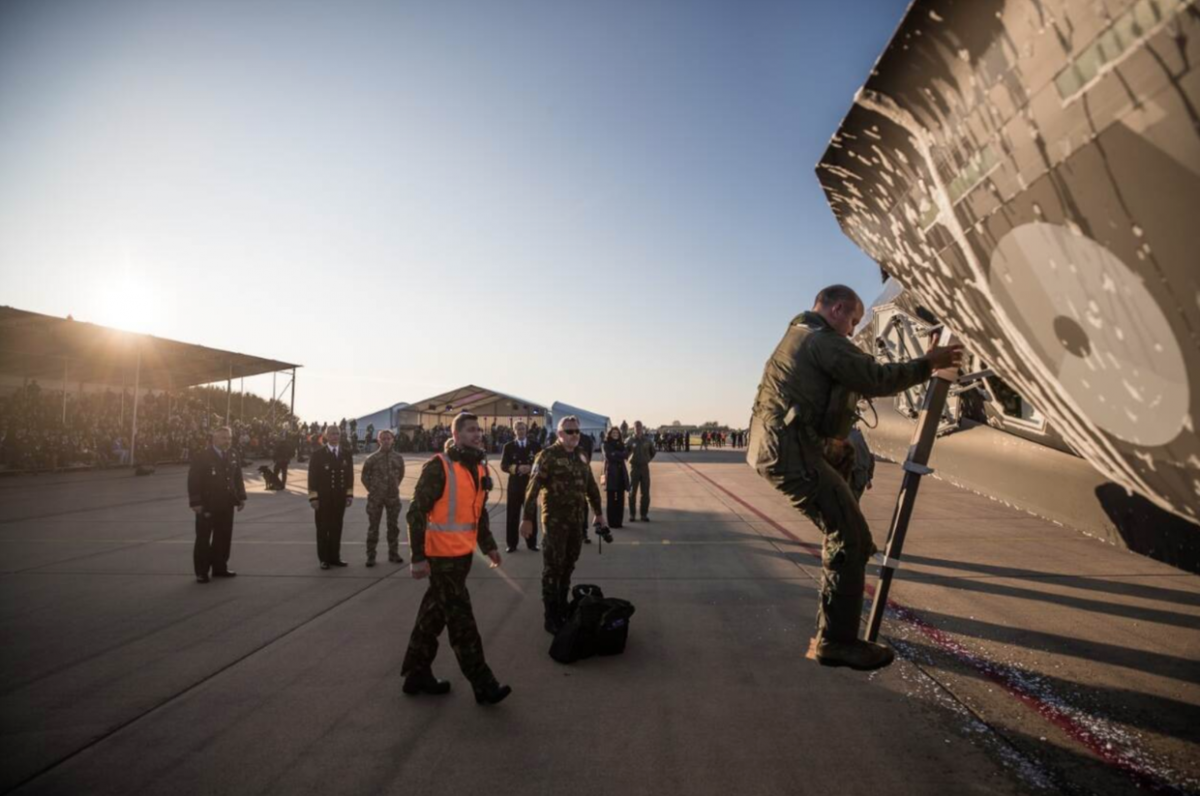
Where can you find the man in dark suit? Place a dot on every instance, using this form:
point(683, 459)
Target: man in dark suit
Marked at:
point(330, 493)
point(215, 491)
point(518, 463)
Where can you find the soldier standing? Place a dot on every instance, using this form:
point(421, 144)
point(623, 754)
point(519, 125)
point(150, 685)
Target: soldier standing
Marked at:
point(641, 451)
point(382, 473)
point(810, 388)
point(215, 489)
point(566, 477)
point(330, 493)
point(517, 461)
point(446, 520)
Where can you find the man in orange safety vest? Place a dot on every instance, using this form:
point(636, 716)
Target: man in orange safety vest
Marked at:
point(447, 520)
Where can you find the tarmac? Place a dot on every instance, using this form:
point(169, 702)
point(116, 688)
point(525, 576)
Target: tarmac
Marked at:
point(1031, 658)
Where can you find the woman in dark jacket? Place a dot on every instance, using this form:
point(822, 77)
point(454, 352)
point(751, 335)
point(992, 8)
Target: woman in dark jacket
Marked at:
point(616, 477)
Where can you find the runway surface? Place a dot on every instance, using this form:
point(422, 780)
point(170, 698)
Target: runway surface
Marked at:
point(1032, 658)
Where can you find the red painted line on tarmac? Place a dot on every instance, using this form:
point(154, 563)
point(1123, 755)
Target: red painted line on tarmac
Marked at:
point(1002, 676)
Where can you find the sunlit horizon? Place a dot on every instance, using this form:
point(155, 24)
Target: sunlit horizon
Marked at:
point(610, 207)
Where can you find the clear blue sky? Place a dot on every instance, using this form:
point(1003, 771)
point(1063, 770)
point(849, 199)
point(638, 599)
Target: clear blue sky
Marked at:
point(612, 204)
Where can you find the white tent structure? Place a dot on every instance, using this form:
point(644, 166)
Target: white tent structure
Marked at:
point(589, 422)
point(385, 418)
point(490, 405)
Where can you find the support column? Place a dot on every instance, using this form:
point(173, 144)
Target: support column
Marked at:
point(137, 377)
point(242, 410)
point(229, 394)
point(273, 396)
point(293, 409)
point(66, 364)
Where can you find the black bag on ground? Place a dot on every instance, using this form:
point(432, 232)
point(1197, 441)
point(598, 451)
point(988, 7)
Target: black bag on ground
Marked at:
point(596, 625)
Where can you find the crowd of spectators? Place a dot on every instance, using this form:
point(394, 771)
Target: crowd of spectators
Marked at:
point(98, 427)
point(722, 439)
point(678, 441)
point(433, 440)
point(98, 430)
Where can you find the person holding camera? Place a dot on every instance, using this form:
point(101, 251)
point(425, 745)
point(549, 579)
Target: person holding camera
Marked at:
point(562, 472)
point(809, 394)
point(447, 519)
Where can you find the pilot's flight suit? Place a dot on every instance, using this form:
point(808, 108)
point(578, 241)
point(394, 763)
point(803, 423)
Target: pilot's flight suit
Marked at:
point(810, 387)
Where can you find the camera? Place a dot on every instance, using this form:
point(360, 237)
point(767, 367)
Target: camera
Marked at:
point(486, 483)
point(603, 532)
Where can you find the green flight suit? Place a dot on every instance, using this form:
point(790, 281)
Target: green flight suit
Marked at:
point(809, 389)
point(641, 451)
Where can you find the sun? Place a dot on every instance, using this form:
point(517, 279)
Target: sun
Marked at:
point(130, 304)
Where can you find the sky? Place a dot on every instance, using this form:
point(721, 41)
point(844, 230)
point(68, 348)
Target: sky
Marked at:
point(610, 204)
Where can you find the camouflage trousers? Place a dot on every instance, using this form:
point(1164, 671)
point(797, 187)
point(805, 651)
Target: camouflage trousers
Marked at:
point(561, 545)
point(823, 496)
point(375, 508)
point(639, 481)
point(447, 604)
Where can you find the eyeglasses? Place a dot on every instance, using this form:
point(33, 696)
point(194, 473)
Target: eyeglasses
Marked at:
point(571, 431)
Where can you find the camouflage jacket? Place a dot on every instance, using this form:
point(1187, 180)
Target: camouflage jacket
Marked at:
point(641, 451)
point(568, 483)
point(431, 483)
point(817, 376)
point(382, 474)
point(808, 394)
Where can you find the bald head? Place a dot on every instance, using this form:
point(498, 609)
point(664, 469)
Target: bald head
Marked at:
point(840, 307)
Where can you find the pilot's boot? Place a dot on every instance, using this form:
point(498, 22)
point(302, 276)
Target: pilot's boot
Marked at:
point(837, 641)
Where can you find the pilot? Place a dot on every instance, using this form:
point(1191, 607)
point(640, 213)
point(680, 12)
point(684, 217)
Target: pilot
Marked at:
point(810, 388)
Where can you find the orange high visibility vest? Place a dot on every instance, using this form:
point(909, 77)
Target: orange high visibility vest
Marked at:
point(453, 527)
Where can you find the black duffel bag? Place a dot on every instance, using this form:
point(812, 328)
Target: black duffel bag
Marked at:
point(596, 625)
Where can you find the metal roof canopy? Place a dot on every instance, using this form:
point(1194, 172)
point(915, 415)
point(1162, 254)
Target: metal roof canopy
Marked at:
point(476, 400)
point(60, 349)
point(45, 347)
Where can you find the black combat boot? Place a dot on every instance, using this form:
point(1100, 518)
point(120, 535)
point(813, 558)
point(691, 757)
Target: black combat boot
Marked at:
point(554, 617)
point(492, 694)
point(838, 643)
point(863, 656)
point(394, 557)
point(370, 559)
point(423, 682)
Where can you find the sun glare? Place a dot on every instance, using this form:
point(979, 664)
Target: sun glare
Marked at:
point(131, 305)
